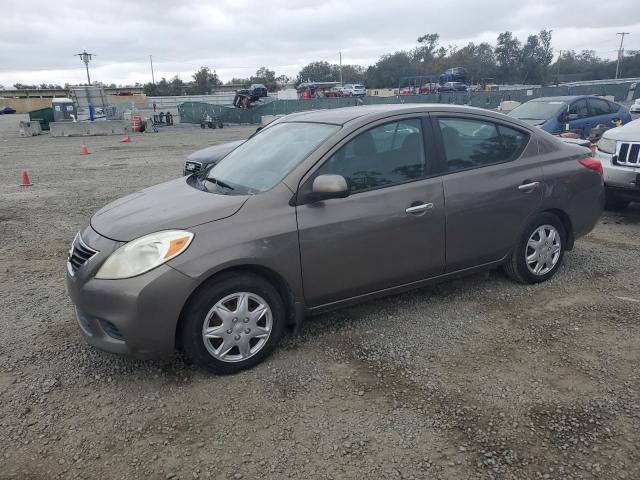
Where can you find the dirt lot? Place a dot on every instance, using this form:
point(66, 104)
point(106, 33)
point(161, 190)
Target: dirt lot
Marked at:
point(476, 378)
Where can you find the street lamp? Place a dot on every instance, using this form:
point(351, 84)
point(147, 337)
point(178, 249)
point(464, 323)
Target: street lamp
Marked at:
point(86, 58)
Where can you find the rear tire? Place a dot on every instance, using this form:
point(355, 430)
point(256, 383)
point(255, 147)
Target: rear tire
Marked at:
point(539, 251)
point(216, 321)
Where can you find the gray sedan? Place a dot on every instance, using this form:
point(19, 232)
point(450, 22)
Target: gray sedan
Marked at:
point(320, 210)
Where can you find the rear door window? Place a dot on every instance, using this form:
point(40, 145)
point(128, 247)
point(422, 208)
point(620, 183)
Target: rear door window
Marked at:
point(599, 106)
point(471, 143)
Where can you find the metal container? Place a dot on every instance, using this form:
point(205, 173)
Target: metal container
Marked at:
point(42, 115)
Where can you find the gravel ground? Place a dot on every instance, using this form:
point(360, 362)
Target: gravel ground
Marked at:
point(475, 378)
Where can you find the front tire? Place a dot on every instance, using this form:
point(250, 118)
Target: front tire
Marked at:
point(232, 323)
point(539, 252)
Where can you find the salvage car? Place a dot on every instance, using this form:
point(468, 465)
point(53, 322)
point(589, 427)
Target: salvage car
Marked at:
point(578, 114)
point(453, 87)
point(209, 156)
point(619, 152)
point(320, 210)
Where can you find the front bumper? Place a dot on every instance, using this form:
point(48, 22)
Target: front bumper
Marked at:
point(134, 316)
point(620, 180)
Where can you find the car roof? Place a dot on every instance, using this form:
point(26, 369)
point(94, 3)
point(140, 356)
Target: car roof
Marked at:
point(564, 98)
point(341, 116)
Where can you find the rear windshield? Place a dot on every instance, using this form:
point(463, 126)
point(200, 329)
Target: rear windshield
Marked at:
point(537, 110)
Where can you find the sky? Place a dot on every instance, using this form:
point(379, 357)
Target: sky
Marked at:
point(38, 39)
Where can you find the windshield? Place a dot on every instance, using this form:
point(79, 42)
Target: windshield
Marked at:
point(263, 161)
point(537, 110)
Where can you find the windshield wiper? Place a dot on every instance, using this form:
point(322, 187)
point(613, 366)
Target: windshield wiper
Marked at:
point(219, 183)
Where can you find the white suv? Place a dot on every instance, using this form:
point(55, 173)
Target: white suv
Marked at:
point(354, 90)
point(619, 153)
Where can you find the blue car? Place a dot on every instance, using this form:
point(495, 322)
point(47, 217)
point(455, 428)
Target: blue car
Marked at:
point(578, 114)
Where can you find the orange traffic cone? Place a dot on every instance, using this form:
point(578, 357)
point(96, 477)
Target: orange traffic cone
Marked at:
point(126, 139)
point(25, 180)
point(84, 150)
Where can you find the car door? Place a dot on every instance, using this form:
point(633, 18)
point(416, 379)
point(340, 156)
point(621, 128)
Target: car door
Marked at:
point(600, 113)
point(492, 185)
point(389, 231)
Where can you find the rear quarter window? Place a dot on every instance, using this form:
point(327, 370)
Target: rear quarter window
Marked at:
point(471, 143)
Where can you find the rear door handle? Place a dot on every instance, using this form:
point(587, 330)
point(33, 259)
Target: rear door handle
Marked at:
point(415, 209)
point(527, 187)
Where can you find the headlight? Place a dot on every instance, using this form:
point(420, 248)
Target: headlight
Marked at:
point(145, 253)
point(607, 145)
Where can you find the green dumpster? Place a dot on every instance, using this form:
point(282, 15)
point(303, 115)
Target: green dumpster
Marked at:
point(42, 115)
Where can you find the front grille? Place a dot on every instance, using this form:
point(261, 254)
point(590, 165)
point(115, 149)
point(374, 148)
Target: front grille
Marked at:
point(79, 254)
point(629, 154)
point(192, 167)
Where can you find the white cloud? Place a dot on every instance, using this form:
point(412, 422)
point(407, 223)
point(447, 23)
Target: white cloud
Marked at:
point(38, 39)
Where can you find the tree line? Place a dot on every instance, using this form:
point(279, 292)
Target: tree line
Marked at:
point(509, 61)
point(205, 80)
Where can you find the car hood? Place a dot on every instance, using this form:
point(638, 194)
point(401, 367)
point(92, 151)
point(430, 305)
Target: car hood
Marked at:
point(214, 153)
point(170, 205)
point(630, 132)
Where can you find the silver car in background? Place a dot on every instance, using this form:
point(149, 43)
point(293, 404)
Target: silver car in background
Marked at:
point(354, 90)
point(320, 210)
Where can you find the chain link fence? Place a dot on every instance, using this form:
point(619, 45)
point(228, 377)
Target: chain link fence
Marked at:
point(194, 112)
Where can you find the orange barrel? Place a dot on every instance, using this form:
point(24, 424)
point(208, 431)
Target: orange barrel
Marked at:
point(136, 120)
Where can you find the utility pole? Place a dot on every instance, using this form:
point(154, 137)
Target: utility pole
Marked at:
point(340, 67)
point(86, 58)
point(620, 51)
point(153, 79)
point(558, 71)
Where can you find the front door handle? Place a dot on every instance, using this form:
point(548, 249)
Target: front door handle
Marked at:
point(527, 187)
point(416, 209)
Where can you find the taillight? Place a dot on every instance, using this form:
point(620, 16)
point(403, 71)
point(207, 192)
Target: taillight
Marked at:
point(592, 164)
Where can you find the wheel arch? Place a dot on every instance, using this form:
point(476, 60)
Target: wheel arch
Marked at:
point(292, 309)
point(565, 219)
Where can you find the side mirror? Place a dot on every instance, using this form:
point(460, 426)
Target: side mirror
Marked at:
point(572, 116)
point(329, 186)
